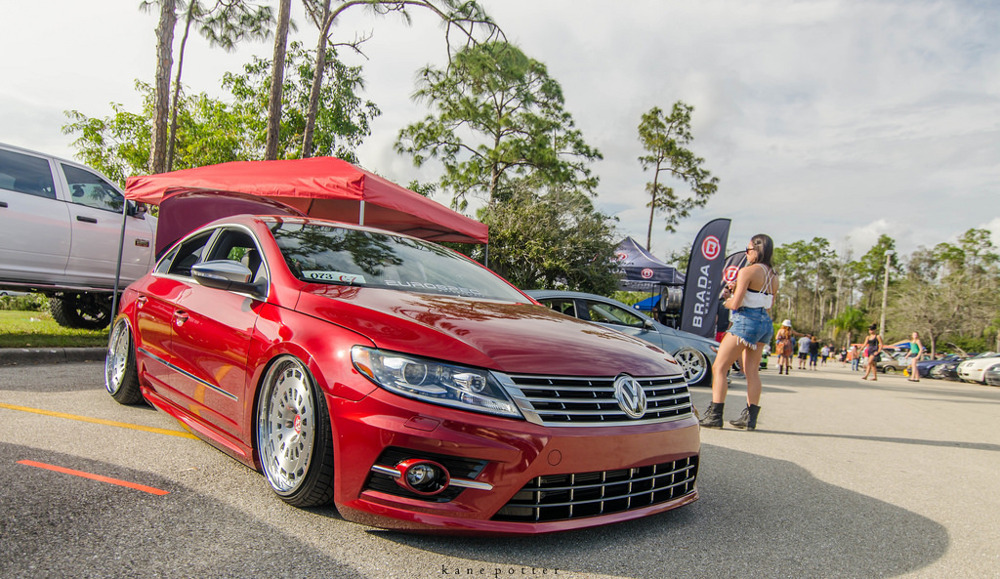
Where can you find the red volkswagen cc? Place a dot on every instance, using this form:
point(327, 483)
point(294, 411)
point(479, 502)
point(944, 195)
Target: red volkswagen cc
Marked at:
point(411, 386)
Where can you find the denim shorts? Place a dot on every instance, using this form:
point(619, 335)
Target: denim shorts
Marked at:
point(751, 326)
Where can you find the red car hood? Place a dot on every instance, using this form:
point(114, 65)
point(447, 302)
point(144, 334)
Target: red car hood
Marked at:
point(512, 338)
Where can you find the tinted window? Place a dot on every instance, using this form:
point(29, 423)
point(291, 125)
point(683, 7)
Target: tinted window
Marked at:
point(608, 314)
point(86, 188)
point(26, 174)
point(180, 260)
point(562, 305)
point(327, 254)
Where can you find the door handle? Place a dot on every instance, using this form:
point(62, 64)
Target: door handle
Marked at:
point(180, 317)
point(86, 219)
point(3, 204)
point(141, 301)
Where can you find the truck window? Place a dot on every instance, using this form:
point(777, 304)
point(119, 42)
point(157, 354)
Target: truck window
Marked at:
point(26, 174)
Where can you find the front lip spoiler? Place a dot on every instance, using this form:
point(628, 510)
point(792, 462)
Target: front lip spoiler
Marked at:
point(458, 482)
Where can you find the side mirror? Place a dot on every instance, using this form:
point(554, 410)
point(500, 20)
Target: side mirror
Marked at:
point(647, 324)
point(225, 275)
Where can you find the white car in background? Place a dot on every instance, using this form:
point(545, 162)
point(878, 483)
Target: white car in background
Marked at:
point(60, 226)
point(974, 369)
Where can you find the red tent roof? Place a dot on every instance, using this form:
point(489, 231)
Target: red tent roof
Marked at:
point(322, 187)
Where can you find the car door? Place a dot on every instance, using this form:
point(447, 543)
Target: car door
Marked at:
point(95, 210)
point(618, 318)
point(34, 223)
point(210, 343)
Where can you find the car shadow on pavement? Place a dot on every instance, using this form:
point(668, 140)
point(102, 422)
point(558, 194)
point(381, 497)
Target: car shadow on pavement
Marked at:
point(60, 525)
point(757, 517)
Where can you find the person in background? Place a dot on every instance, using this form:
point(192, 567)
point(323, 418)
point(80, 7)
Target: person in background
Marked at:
point(813, 352)
point(916, 351)
point(804, 343)
point(824, 353)
point(784, 347)
point(873, 347)
point(854, 356)
point(750, 301)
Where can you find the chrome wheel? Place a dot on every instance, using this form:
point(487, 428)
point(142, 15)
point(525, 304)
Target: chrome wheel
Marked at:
point(694, 364)
point(120, 376)
point(286, 425)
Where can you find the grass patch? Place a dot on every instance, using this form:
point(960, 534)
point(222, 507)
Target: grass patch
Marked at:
point(20, 329)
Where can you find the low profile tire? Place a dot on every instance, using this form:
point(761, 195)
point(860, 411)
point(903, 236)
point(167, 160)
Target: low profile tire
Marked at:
point(293, 435)
point(888, 370)
point(121, 378)
point(936, 372)
point(694, 364)
point(81, 311)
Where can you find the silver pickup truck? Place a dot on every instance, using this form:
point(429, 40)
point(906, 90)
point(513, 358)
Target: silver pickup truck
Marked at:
point(60, 225)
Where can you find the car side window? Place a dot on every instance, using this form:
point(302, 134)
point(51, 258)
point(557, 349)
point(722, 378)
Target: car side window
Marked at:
point(26, 174)
point(188, 254)
point(238, 245)
point(88, 189)
point(609, 314)
point(563, 306)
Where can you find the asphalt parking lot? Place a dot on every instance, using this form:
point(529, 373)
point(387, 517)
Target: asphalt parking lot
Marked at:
point(844, 478)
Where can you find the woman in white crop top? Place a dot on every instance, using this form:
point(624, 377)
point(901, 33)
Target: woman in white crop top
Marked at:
point(750, 299)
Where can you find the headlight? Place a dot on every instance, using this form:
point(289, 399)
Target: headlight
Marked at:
point(435, 382)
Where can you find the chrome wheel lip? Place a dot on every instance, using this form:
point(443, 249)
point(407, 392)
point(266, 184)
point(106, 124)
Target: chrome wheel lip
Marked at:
point(116, 360)
point(693, 363)
point(286, 425)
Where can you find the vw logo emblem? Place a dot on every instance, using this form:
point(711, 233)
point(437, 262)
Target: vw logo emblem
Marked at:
point(630, 396)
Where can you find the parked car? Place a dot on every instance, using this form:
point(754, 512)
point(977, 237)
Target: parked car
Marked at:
point(992, 375)
point(694, 353)
point(974, 369)
point(407, 383)
point(60, 228)
point(892, 362)
point(928, 368)
point(947, 371)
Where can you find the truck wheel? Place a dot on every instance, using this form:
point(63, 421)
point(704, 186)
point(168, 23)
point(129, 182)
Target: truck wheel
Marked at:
point(81, 311)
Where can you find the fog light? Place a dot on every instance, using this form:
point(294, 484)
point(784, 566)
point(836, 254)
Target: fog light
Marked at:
point(423, 477)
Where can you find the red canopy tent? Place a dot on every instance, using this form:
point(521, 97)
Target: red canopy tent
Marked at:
point(322, 187)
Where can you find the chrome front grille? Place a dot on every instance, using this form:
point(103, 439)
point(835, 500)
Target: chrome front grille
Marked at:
point(590, 401)
point(572, 496)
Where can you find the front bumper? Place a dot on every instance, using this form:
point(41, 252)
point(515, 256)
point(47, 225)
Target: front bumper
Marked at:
point(527, 478)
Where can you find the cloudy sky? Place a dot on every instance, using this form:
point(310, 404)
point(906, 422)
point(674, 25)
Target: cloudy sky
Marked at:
point(830, 118)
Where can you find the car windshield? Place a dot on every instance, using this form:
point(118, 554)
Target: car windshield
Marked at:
point(320, 253)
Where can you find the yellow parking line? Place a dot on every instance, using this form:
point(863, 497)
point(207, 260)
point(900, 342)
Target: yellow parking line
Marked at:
point(99, 421)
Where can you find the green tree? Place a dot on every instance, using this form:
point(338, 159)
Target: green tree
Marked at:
point(851, 322)
point(211, 131)
point(557, 240)
point(871, 270)
point(665, 139)
point(161, 95)
point(952, 292)
point(462, 17)
point(342, 121)
point(499, 118)
point(272, 127)
point(224, 24)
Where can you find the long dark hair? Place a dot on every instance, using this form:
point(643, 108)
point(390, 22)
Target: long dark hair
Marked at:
point(764, 248)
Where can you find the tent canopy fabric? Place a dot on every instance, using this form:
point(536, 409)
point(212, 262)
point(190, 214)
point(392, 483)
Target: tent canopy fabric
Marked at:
point(322, 187)
point(641, 271)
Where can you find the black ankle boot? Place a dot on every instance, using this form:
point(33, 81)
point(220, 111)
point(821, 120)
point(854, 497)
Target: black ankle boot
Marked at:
point(713, 416)
point(748, 418)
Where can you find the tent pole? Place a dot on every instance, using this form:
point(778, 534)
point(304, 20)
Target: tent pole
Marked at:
point(361, 213)
point(118, 266)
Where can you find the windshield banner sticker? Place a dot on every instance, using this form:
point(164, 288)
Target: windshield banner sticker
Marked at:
point(436, 287)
